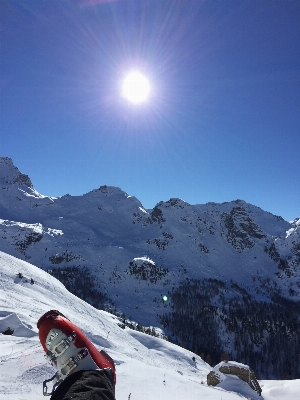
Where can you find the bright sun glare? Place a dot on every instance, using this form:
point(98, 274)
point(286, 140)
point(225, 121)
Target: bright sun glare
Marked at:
point(136, 87)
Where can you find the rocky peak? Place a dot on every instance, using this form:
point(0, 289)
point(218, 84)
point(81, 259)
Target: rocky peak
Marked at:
point(173, 202)
point(240, 229)
point(9, 174)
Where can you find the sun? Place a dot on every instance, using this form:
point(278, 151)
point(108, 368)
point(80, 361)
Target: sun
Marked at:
point(136, 87)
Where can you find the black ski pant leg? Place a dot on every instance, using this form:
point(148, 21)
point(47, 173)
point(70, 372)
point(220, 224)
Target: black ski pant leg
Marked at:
point(87, 385)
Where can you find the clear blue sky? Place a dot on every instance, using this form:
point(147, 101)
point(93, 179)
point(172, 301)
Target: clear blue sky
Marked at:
point(222, 122)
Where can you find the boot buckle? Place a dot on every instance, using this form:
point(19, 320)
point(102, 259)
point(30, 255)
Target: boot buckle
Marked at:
point(63, 345)
point(57, 380)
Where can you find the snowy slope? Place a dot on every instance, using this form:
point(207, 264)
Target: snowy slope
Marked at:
point(147, 367)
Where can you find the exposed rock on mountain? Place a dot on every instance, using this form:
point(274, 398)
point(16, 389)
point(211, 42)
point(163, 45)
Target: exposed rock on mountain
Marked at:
point(11, 175)
point(241, 230)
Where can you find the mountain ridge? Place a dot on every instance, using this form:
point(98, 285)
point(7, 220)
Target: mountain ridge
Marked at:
point(137, 256)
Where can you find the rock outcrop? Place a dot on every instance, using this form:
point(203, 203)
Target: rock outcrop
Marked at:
point(242, 371)
point(11, 174)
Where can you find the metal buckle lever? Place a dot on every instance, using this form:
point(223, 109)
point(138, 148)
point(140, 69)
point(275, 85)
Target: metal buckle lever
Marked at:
point(73, 362)
point(45, 388)
point(63, 345)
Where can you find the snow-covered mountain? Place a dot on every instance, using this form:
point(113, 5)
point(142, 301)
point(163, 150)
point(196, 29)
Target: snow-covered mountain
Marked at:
point(147, 367)
point(233, 258)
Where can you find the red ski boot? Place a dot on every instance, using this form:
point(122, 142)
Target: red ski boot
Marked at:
point(68, 348)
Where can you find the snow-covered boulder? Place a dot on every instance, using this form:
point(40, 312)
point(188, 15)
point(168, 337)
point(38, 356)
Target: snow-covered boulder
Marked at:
point(228, 370)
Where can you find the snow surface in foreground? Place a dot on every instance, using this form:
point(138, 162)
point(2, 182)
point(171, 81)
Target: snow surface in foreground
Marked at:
point(147, 367)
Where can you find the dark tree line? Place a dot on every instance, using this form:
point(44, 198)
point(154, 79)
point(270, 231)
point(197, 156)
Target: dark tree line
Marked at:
point(83, 284)
point(210, 317)
point(135, 326)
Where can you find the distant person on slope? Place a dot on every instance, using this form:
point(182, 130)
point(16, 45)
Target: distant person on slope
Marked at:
point(83, 372)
